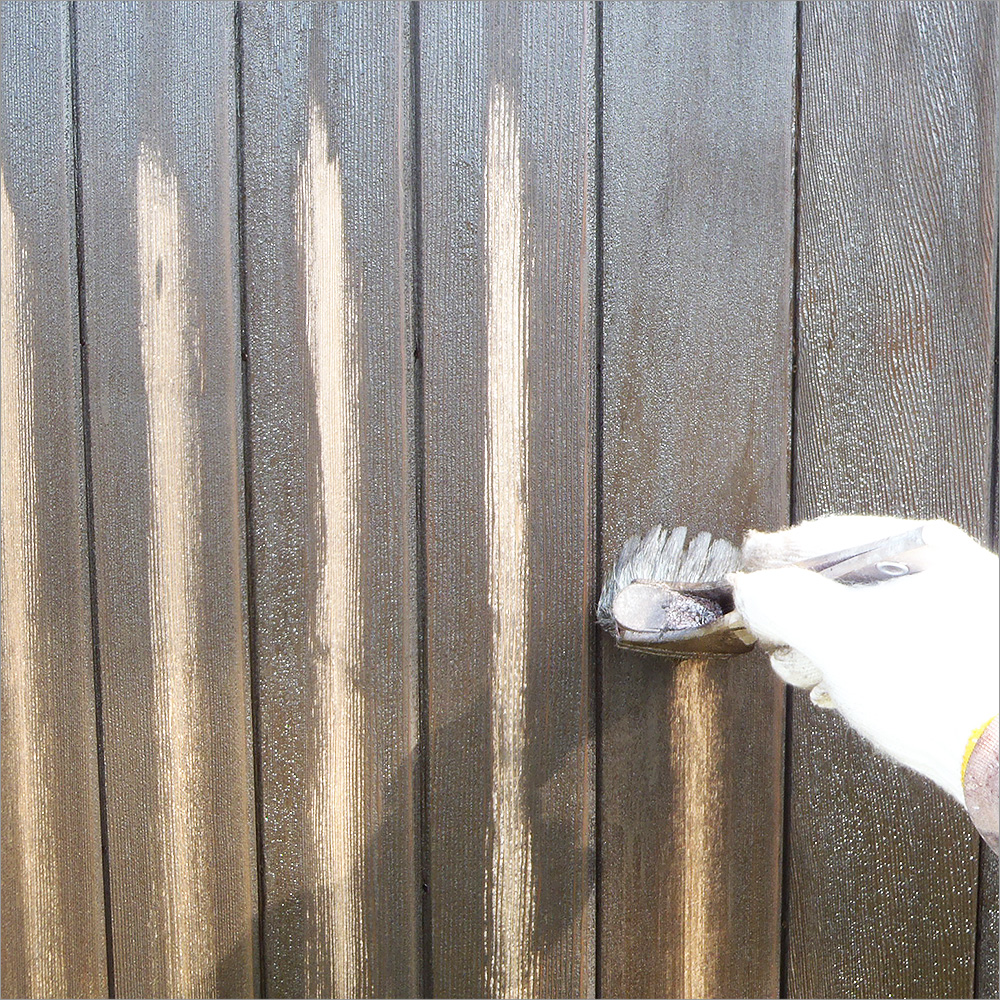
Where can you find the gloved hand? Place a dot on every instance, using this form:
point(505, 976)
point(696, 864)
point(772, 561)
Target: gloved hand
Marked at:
point(911, 663)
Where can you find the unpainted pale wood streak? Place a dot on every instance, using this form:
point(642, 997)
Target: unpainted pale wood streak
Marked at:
point(23, 652)
point(510, 888)
point(336, 793)
point(167, 347)
point(302, 691)
point(698, 116)
point(897, 243)
point(53, 934)
point(695, 719)
point(507, 119)
point(161, 318)
point(328, 127)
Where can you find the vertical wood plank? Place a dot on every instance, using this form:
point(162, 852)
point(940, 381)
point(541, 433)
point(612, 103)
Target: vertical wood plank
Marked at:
point(987, 937)
point(507, 167)
point(53, 896)
point(157, 124)
point(894, 416)
point(328, 125)
point(698, 116)
point(987, 980)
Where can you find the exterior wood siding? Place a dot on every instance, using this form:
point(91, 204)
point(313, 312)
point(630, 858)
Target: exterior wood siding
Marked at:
point(343, 344)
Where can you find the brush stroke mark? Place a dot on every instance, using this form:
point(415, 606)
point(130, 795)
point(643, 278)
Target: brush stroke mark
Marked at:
point(695, 726)
point(337, 799)
point(168, 339)
point(30, 740)
point(509, 895)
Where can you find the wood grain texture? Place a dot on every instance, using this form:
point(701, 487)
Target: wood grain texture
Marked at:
point(52, 886)
point(988, 938)
point(507, 119)
point(418, 226)
point(698, 113)
point(328, 130)
point(987, 980)
point(157, 124)
point(894, 416)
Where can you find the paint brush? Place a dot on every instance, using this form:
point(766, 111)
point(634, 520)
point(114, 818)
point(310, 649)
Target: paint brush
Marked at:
point(668, 596)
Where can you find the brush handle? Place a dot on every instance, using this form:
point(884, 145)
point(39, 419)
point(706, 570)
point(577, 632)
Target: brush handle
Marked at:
point(885, 559)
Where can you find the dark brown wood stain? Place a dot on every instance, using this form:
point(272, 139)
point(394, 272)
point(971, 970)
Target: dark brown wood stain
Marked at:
point(894, 416)
point(52, 886)
point(698, 105)
point(298, 57)
point(157, 113)
point(537, 61)
point(511, 282)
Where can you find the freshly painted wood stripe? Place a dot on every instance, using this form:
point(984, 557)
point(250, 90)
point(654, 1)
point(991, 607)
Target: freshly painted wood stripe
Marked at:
point(23, 649)
point(167, 336)
point(695, 727)
point(337, 798)
point(510, 903)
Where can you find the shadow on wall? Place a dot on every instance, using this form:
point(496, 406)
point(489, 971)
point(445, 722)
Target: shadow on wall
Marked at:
point(563, 863)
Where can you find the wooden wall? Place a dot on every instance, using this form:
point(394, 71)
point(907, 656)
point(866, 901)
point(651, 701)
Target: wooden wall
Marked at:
point(343, 345)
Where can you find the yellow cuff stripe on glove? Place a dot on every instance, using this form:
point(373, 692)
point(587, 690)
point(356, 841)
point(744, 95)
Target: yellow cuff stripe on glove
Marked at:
point(971, 745)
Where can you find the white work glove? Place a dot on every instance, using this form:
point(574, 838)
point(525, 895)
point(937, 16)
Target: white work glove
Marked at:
point(911, 663)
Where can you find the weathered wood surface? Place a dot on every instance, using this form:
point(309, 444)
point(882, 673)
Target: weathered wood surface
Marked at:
point(698, 120)
point(987, 981)
point(53, 895)
point(507, 220)
point(404, 536)
point(161, 325)
point(328, 109)
point(987, 938)
point(893, 415)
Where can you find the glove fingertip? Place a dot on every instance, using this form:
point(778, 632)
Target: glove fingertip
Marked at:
point(787, 607)
point(794, 668)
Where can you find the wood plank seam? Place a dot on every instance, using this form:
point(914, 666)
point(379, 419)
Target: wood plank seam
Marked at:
point(697, 210)
point(156, 157)
point(597, 646)
point(422, 764)
point(88, 485)
point(893, 408)
point(249, 535)
point(793, 303)
point(53, 918)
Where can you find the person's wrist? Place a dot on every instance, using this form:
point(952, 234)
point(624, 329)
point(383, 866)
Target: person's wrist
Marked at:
point(981, 782)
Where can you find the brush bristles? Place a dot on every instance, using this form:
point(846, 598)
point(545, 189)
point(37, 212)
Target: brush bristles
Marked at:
point(661, 555)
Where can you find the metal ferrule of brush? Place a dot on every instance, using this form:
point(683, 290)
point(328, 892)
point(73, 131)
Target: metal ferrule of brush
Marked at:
point(672, 599)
